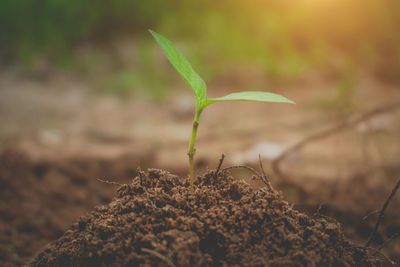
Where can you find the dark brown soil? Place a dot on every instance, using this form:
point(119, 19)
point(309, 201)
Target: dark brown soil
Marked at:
point(39, 200)
point(351, 199)
point(159, 220)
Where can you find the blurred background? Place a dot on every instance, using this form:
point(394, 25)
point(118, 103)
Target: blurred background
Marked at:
point(86, 93)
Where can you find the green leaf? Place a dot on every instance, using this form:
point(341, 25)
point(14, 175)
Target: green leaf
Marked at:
point(183, 67)
point(250, 96)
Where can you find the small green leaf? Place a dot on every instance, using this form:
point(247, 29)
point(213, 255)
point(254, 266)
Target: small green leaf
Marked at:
point(250, 96)
point(183, 67)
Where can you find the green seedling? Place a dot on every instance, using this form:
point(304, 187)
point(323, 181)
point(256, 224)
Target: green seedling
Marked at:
point(199, 88)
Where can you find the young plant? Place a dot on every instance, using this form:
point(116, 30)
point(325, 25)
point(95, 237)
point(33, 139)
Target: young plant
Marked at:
point(200, 91)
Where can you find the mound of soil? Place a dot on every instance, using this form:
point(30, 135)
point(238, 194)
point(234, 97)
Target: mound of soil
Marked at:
point(159, 220)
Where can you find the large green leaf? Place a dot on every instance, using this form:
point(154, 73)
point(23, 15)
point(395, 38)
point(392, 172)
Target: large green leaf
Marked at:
point(183, 67)
point(250, 96)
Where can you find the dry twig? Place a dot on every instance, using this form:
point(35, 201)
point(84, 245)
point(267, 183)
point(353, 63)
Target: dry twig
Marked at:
point(108, 182)
point(352, 121)
point(393, 237)
point(318, 212)
point(158, 255)
point(264, 176)
point(382, 212)
point(369, 214)
point(219, 166)
point(379, 253)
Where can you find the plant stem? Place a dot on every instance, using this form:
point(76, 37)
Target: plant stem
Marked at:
point(192, 150)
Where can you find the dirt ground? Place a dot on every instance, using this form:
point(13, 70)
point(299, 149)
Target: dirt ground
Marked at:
point(57, 137)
